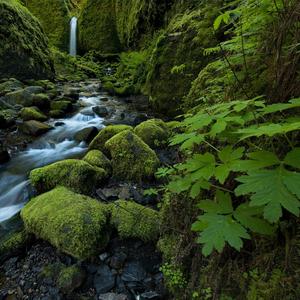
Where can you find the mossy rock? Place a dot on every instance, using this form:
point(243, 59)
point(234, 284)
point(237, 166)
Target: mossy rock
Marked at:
point(54, 18)
point(10, 85)
point(133, 220)
point(72, 173)
point(97, 159)
point(13, 243)
point(97, 27)
point(153, 132)
point(7, 118)
point(34, 128)
point(132, 159)
point(32, 113)
point(73, 223)
point(69, 279)
point(42, 101)
point(21, 97)
point(65, 106)
point(24, 49)
point(105, 134)
point(56, 114)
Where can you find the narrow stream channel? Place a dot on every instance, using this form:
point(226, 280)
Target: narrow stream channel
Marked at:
point(55, 145)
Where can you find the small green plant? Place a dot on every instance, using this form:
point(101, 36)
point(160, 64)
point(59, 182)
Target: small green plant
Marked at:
point(174, 277)
point(178, 69)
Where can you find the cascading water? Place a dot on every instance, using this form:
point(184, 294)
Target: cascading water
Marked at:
point(73, 36)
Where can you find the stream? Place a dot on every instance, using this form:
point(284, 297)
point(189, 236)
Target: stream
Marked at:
point(57, 144)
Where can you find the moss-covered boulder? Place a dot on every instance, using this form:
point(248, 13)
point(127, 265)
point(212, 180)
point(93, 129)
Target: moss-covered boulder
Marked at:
point(34, 128)
point(24, 49)
point(13, 243)
point(105, 134)
point(133, 220)
point(132, 159)
point(153, 132)
point(54, 18)
point(73, 223)
point(70, 278)
point(56, 114)
point(10, 85)
point(178, 56)
point(32, 113)
point(97, 27)
point(42, 101)
point(72, 173)
point(98, 159)
point(21, 97)
point(65, 106)
point(7, 118)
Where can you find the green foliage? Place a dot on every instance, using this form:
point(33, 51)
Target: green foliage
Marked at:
point(238, 156)
point(174, 277)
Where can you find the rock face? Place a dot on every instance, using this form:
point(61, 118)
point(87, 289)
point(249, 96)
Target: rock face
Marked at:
point(54, 17)
point(97, 27)
point(72, 173)
point(73, 223)
point(24, 51)
point(132, 159)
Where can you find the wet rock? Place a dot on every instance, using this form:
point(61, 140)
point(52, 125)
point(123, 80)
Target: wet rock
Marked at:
point(65, 106)
point(4, 156)
point(86, 134)
point(32, 113)
point(35, 90)
point(58, 124)
point(103, 256)
point(117, 260)
point(10, 85)
point(34, 128)
point(104, 99)
point(113, 296)
point(104, 280)
point(150, 296)
point(22, 97)
point(101, 111)
point(72, 93)
point(42, 101)
point(133, 272)
point(56, 114)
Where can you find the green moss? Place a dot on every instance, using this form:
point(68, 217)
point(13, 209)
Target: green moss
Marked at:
point(73, 223)
point(13, 243)
point(153, 132)
point(105, 134)
point(132, 159)
point(69, 279)
point(133, 220)
point(24, 51)
point(42, 101)
point(178, 56)
point(75, 174)
point(56, 114)
point(54, 18)
point(65, 106)
point(32, 113)
point(97, 27)
point(98, 159)
point(167, 245)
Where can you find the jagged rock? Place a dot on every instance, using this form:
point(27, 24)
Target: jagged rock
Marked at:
point(104, 280)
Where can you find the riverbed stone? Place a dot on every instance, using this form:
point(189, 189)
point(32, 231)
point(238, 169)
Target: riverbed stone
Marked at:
point(7, 118)
point(98, 159)
point(34, 128)
point(132, 159)
point(100, 111)
point(86, 134)
point(22, 97)
point(105, 134)
point(32, 113)
point(56, 114)
point(65, 106)
point(10, 85)
point(133, 220)
point(153, 132)
point(73, 223)
point(75, 174)
point(104, 280)
point(42, 101)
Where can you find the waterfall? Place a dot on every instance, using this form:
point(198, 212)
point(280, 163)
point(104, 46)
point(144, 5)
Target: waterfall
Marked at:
point(73, 36)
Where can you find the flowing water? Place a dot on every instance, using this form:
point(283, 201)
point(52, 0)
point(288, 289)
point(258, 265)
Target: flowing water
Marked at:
point(56, 145)
point(73, 36)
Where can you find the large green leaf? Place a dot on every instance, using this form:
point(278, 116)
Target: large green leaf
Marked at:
point(293, 158)
point(273, 189)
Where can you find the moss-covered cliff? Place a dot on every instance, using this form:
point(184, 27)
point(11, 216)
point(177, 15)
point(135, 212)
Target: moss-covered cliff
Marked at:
point(54, 17)
point(24, 49)
point(97, 27)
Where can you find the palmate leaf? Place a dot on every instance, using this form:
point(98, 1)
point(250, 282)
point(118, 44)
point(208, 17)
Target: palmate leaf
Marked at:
point(258, 160)
point(293, 158)
point(280, 106)
point(198, 186)
point(250, 217)
point(272, 189)
point(229, 158)
point(217, 226)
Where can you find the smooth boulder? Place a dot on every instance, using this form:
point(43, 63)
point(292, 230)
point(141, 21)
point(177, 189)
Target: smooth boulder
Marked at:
point(34, 128)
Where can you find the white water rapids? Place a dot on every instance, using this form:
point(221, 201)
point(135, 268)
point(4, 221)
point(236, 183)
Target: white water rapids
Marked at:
point(56, 145)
